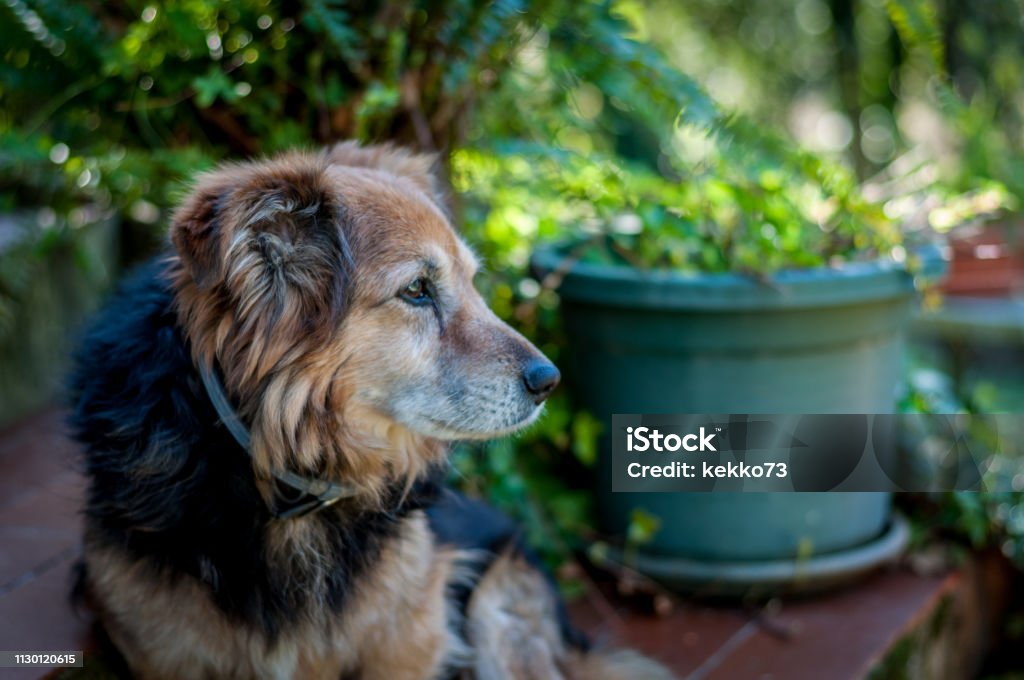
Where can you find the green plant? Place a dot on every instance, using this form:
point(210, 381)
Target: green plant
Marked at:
point(715, 192)
point(971, 58)
point(92, 87)
point(980, 520)
point(751, 218)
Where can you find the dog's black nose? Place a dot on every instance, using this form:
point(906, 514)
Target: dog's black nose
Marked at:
point(540, 377)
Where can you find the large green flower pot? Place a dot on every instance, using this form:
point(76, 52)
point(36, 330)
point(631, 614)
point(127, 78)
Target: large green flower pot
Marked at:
point(812, 341)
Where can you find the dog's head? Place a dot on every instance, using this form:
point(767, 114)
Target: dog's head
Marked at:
point(338, 302)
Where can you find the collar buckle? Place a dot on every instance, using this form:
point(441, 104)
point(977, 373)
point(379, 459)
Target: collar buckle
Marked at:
point(313, 495)
point(305, 505)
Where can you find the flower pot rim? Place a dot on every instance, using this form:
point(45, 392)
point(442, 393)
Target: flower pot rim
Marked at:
point(849, 283)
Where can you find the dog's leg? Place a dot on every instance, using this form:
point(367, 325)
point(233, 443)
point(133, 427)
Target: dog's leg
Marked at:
point(619, 664)
point(512, 624)
point(414, 640)
point(402, 621)
point(514, 631)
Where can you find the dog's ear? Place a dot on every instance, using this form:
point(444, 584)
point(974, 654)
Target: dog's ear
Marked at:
point(422, 169)
point(281, 211)
point(196, 232)
point(288, 245)
point(263, 246)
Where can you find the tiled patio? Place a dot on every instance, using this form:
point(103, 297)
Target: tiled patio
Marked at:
point(40, 533)
point(845, 635)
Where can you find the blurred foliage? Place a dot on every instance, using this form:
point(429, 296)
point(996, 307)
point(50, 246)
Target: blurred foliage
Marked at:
point(972, 58)
point(913, 93)
point(145, 94)
point(980, 520)
point(755, 218)
point(128, 97)
point(659, 134)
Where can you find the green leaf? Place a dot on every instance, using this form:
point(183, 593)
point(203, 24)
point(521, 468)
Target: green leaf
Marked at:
point(643, 526)
point(211, 86)
point(916, 22)
point(585, 431)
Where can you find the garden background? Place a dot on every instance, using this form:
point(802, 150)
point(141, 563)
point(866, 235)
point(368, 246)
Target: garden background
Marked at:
point(708, 136)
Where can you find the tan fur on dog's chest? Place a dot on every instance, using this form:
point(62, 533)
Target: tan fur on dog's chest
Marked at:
point(396, 624)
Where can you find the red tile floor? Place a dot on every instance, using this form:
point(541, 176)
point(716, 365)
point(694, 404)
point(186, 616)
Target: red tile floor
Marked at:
point(839, 636)
point(844, 635)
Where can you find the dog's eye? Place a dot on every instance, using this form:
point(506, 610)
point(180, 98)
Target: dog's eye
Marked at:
point(418, 292)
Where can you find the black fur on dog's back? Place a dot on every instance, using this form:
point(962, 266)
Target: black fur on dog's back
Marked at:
point(169, 485)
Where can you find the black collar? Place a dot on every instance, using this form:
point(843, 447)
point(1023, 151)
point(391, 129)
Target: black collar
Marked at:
point(309, 495)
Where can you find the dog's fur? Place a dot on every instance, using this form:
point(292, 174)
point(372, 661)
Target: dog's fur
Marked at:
point(290, 277)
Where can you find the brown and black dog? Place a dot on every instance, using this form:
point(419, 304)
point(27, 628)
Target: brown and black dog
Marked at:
point(266, 412)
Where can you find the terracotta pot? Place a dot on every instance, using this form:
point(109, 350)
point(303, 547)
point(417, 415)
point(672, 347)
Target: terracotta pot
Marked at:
point(988, 259)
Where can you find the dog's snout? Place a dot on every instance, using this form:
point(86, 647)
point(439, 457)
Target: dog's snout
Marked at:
point(540, 377)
